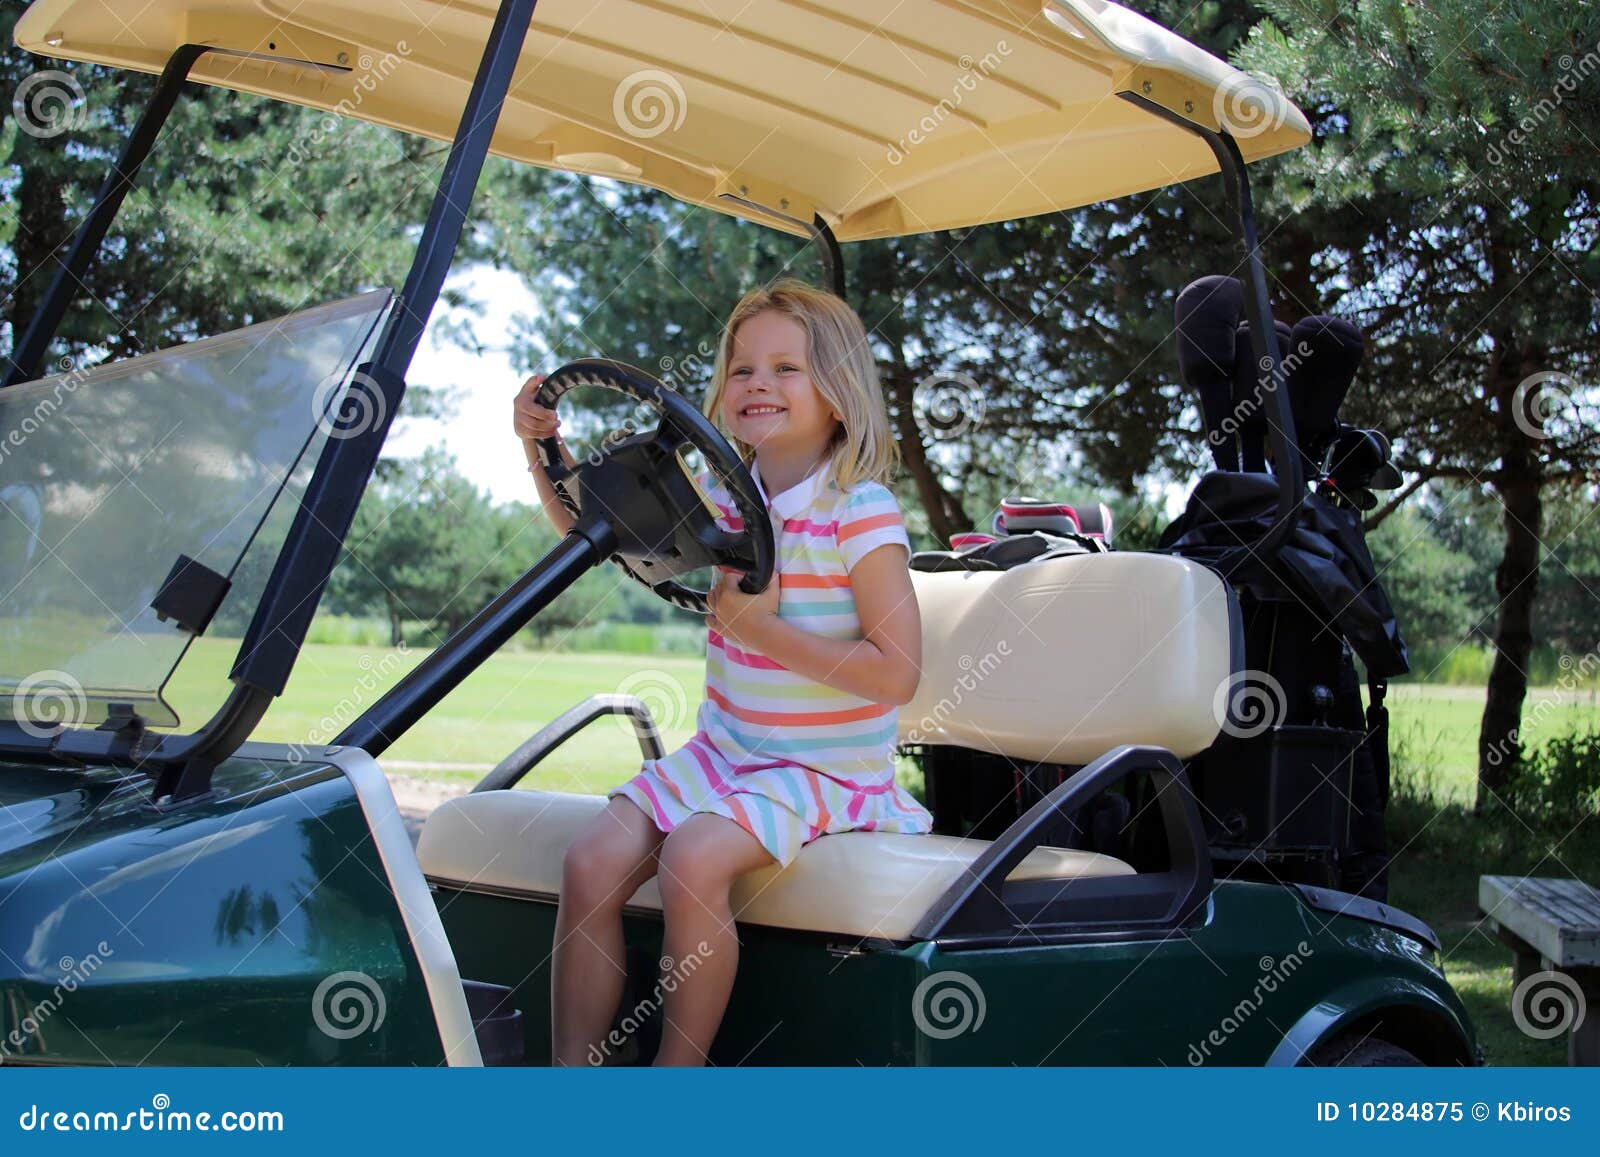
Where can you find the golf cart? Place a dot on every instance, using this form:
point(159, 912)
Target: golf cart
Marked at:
point(179, 897)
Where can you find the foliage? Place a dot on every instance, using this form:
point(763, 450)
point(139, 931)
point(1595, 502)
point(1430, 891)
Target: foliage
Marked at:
point(1438, 594)
point(246, 209)
point(1456, 204)
point(429, 547)
point(1556, 786)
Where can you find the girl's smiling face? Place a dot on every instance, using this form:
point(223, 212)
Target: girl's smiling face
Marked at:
point(769, 401)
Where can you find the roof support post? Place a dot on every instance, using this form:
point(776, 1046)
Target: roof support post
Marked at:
point(30, 348)
point(311, 547)
point(1286, 460)
point(828, 249)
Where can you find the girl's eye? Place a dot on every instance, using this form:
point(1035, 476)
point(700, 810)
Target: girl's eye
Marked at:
point(786, 368)
point(741, 371)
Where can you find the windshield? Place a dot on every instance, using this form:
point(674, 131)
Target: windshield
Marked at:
point(109, 475)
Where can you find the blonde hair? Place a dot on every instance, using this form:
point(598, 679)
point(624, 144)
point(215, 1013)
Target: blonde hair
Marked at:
point(841, 368)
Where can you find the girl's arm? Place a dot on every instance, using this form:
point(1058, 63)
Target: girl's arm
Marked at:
point(884, 665)
point(559, 516)
point(533, 422)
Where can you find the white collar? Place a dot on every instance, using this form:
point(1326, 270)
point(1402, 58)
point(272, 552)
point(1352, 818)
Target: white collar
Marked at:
point(799, 497)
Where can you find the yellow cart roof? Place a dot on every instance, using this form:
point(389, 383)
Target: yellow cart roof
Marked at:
point(886, 117)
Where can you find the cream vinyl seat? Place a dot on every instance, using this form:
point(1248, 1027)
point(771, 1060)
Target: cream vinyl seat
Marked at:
point(851, 883)
point(1056, 660)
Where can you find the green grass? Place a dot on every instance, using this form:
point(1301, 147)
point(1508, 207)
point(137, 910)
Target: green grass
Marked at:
point(501, 704)
point(1442, 848)
point(1435, 728)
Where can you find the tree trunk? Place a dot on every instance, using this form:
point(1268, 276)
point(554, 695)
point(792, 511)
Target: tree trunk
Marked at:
point(1516, 580)
point(877, 281)
point(930, 492)
point(40, 226)
point(395, 637)
point(1516, 583)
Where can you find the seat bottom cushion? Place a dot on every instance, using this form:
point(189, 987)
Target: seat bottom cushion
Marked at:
point(876, 884)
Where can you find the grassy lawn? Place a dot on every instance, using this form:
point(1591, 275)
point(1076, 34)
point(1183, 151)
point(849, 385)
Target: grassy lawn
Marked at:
point(482, 721)
point(1434, 729)
point(1442, 850)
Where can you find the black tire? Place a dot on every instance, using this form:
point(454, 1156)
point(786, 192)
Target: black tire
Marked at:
point(1353, 1052)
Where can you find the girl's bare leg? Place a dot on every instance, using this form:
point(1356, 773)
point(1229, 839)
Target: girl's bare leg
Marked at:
point(604, 866)
point(699, 863)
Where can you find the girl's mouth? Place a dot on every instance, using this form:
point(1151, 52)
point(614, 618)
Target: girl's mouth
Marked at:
point(759, 409)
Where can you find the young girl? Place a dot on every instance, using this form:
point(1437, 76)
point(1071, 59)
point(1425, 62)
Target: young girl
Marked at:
point(796, 735)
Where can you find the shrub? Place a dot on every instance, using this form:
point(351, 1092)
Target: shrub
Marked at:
point(1557, 786)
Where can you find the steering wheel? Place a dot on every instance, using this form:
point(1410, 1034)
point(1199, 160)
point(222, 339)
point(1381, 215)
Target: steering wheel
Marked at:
point(637, 490)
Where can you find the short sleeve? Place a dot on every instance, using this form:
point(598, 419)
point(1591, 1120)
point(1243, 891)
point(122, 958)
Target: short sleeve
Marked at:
point(869, 519)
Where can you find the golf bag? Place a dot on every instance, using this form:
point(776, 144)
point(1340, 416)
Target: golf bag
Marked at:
point(1297, 786)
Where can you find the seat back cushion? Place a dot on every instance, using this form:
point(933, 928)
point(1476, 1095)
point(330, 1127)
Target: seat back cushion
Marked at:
point(1060, 660)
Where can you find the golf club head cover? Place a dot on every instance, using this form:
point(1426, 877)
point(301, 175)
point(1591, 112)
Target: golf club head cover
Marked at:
point(1207, 320)
point(1321, 360)
point(1250, 401)
point(1022, 514)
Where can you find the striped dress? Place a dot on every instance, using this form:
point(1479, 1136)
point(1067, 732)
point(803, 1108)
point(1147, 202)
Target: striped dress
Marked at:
point(787, 758)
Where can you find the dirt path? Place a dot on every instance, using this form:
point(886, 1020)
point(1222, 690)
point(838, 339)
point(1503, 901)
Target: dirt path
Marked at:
point(418, 797)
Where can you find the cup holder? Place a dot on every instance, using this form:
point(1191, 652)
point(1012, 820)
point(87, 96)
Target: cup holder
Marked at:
point(497, 1023)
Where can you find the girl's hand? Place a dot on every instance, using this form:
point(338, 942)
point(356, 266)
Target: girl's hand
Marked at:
point(740, 617)
point(532, 421)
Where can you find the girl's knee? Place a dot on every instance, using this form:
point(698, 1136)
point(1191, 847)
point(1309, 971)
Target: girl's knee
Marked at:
point(595, 868)
point(688, 876)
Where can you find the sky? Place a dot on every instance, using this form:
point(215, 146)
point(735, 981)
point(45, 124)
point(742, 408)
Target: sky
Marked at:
point(479, 432)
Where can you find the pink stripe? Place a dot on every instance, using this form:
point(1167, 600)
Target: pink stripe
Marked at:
point(743, 658)
point(747, 768)
point(862, 788)
point(806, 526)
point(853, 812)
point(718, 784)
point(644, 786)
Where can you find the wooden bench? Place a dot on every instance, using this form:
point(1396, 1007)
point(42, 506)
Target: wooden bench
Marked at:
point(1553, 925)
